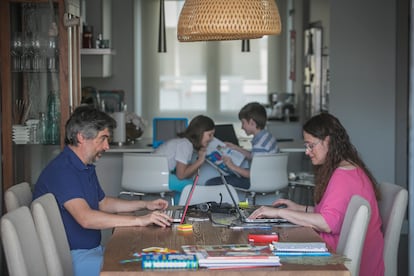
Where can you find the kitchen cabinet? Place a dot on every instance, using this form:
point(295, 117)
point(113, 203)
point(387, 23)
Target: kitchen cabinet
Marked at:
point(97, 62)
point(40, 73)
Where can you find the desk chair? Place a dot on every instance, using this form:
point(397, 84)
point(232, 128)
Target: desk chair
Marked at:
point(268, 174)
point(202, 194)
point(353, 232)
point(21, 244)
point(145, 174)
point(392, 209)
point(52, 234)
point(18, 195)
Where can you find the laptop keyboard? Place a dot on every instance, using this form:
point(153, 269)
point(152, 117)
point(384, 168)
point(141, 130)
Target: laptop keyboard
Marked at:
point(176, 214)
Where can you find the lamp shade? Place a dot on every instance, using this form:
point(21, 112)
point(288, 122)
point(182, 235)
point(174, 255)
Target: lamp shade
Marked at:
point(204, 20)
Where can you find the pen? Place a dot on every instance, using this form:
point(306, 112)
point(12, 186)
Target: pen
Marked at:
point(265, 227)
point(130, 260)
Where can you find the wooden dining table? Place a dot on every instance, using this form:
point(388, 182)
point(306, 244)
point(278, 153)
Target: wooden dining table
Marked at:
point(126, 241)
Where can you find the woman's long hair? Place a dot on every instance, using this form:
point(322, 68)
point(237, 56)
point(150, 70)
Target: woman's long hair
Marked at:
point(340, 148)
point(195, 130)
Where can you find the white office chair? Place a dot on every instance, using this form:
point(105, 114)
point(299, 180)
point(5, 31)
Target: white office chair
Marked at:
point(392, 209)
point(202, 194)
point(353, 232)
point(268, 174)
point(21, 244)
point(145, 174)
point(52, 234)
point(17, 196)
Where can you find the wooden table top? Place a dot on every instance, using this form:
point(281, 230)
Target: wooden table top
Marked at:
point(127, 240)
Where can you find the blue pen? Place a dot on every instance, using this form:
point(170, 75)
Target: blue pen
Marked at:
point(264, 227)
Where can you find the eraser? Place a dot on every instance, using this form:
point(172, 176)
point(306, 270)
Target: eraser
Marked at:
point(263, 238)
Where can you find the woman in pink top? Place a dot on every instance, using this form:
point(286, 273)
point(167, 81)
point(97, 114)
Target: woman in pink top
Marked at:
point(339, 174)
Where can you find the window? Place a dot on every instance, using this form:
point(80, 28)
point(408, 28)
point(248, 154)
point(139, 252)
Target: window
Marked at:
point(212, 78)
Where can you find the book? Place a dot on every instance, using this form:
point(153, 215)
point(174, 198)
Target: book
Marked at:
point(300, 248)
point(232, 255)
point(215, 151)
point(169, 261)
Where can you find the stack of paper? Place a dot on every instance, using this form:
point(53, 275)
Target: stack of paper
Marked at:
point(300, 249)
point(232, 255)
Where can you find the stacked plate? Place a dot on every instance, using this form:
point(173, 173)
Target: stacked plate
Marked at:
point(20, 134)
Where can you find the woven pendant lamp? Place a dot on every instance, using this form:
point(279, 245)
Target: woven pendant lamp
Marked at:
point(204, 20)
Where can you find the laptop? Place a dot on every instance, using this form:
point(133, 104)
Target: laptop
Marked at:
point(166, 128)
point(243, 216)
point(178, 215)
point(226, 133)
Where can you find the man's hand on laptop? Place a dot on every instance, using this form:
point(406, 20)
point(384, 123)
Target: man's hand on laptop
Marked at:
point(159, 218)
point(158, 204)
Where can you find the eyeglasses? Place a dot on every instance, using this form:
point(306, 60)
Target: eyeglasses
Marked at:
point(310, 146)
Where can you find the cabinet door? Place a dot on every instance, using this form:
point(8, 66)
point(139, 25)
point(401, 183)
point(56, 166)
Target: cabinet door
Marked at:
point(40, 75)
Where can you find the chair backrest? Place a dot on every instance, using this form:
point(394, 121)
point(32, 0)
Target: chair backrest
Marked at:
point(145, 173)
point(17, 196)
point(21, 244)
point(353, 232)
point(268, 172)
point(392, 207)
point(52, 234)
point(204, 194)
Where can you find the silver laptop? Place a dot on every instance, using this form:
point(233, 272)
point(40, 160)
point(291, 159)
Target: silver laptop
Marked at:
point(244, 217)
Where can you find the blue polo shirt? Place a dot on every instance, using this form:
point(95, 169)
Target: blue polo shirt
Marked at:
point(66, 177)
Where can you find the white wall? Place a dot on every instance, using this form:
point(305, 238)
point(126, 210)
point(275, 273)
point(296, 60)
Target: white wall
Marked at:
point(363, 85)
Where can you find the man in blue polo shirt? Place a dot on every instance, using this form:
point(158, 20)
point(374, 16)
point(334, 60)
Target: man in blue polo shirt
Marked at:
point(85, 209)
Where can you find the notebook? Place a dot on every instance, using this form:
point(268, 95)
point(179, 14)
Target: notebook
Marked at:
point(178, 215)
point(243, 216)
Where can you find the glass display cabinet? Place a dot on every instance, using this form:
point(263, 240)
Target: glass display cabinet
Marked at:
point(40, 82)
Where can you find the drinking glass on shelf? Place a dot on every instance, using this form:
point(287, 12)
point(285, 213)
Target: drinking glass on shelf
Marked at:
point(51, 54)
point(27, 56)
point(16, 51)
point(38, 58)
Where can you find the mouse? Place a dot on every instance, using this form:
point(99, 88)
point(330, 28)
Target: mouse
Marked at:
point(281, 206)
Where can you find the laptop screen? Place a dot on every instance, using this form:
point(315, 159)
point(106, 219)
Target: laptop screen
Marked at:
point(166, 128)
point(226, 133)
point(190, 195)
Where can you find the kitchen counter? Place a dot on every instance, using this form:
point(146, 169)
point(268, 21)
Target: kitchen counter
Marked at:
point(143, 145)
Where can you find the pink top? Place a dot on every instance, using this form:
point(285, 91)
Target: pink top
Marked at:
point(343, 184)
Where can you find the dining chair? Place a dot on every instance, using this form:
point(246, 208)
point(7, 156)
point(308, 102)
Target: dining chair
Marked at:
point(392, 207)
point(268, 174)
point(52, 234)
point(353, 232)
point(18, 195)
point(21, 244)
point(145, 174)
point(203, 194)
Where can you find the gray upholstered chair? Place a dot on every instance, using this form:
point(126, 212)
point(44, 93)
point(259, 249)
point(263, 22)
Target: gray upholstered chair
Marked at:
point(52, 235)
point(18, 195)
point(21, 244)
point(392, 207)
point(353, 232)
